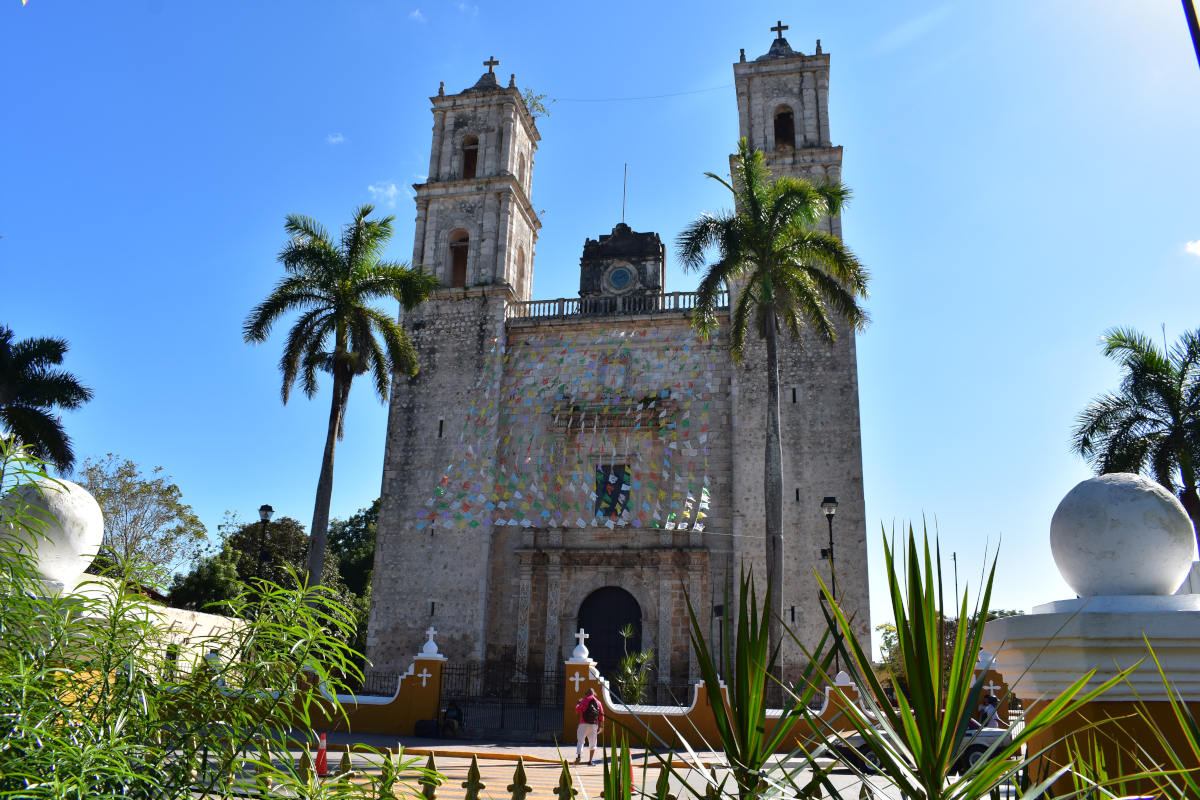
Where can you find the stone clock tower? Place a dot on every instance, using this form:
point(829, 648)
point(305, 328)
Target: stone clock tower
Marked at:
point(623, 267)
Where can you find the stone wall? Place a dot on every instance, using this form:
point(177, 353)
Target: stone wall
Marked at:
point(420, 561)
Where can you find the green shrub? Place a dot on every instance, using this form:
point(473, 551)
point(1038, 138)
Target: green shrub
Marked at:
point(92, 706)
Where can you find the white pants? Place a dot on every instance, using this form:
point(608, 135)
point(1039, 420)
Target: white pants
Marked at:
point(587, 732)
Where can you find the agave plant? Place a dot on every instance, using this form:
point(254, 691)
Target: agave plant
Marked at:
point(749, 664)
point(919, 744)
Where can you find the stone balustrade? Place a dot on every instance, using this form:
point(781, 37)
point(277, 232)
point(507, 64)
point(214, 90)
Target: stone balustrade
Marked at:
point(668, 302)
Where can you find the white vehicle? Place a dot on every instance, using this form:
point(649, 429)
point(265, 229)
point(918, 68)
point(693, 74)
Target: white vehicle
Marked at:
point(853, 750)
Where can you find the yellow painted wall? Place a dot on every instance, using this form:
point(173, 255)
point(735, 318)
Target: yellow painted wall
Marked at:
point(697, 727)
point(416, 699)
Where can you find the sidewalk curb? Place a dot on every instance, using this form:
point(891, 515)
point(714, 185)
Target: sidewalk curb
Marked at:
point(487, 756)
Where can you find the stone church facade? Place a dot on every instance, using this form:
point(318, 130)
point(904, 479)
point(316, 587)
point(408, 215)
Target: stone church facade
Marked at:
point(591, 461)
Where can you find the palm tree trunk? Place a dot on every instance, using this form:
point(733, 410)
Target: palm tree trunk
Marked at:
point(1191, 504)
point(1188, 497)
point(320, 525)
point(773, 489)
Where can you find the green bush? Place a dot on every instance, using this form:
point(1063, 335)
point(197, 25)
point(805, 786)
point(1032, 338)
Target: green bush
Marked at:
point(93, 705)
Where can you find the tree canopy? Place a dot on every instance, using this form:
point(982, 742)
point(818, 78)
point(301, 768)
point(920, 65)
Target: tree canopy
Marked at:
point(782, 273)
point(32, 390)
point(1152, 422)
point(144, 515)
point(331, 284)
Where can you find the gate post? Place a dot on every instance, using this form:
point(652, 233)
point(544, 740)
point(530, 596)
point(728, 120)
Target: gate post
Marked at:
point(579, 676)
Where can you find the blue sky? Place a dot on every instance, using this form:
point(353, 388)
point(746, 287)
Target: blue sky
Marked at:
point(1025, 177)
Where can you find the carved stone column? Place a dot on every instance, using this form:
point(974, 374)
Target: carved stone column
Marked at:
point(695, 587)
point(666, 582)
point(435, 153)
point(553, 612)
point(523, 600)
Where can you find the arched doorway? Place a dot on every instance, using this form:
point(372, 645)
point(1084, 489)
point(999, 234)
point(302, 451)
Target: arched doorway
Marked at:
point(602, 614)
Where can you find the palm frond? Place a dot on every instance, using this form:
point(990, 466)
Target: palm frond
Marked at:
point(49, 388)
point(41, 432)
point(37, 353)
point(299, 339)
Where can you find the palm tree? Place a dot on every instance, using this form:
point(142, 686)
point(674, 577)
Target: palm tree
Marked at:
point(1152, 423)
point(331, 284)
point(30, 389)
point(788, 275)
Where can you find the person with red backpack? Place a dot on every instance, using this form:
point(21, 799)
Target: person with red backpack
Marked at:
point(591, 722)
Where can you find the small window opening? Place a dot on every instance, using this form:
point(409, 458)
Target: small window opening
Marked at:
point(459, 247)
point(432, 605)
point(470, 153)
point(441, 424)
point(785, 129)
point(793, 394)
point(612, 490)
point(797, 495)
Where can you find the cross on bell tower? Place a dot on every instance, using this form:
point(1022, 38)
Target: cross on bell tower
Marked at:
point(779, 28)
point(491, 63)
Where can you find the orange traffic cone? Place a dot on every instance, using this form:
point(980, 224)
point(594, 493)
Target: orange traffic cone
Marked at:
point(322, 758)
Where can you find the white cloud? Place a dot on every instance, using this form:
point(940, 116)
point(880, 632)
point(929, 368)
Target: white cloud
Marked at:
point(335, 138)
point(384, 193)
point(908, 32)
point(467, 8)
point(1193, 247)
point(417, 15)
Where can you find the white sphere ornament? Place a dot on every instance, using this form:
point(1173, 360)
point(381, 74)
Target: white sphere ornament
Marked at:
point(71, 532)
point(1121, 534)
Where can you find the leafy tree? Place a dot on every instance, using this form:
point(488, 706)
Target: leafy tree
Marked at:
point(31, 389)
point(331, 283)
point(1152, 423)
point(352, 542)
point(247, 555)
point(144, 516)
point(785, 275)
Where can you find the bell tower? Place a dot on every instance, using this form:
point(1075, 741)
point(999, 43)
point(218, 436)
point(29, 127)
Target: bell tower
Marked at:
point(475, 224)
point(783, 110)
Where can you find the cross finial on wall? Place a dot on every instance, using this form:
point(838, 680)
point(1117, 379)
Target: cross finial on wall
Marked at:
point(491, 63)
point(579, 637)
point(779, 28)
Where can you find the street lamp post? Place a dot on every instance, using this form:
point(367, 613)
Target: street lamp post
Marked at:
point(829, 506)
point(264, 513)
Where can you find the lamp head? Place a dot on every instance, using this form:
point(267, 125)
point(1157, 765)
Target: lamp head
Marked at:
point(265, 512)
point(829, 506)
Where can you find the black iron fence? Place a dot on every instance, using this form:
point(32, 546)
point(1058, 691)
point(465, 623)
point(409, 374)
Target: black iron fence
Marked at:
point(496, 696)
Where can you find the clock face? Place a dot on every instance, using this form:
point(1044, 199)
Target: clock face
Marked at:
point(620, 278)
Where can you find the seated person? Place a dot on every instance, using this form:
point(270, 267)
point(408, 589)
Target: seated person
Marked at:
point(452, 719)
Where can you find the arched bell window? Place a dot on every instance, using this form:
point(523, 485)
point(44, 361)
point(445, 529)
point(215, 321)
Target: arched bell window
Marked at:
point(470, 156)
point(785, 128)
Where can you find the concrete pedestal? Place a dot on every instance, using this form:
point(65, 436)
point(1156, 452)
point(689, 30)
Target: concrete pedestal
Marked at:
point(1044, 652)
